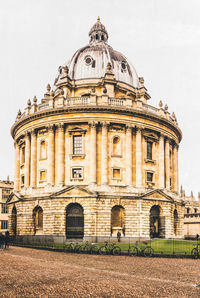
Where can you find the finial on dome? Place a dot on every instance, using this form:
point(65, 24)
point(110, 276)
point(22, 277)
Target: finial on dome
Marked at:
point(98, 19)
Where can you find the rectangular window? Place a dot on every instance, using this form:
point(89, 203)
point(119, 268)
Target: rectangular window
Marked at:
point(4, 208)
point(4, 224)
point(149, 150)
point(116, 174)
point(43, 175)
point(77, 145)
point(77, 173)
point(149, 177)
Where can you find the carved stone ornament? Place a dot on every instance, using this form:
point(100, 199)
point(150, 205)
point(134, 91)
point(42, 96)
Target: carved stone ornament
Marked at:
point(109, 67)
point(66, 70)
point(166, 107)
point(48, 87)
point(35, 99)
point(29, 103)
point(160, 103)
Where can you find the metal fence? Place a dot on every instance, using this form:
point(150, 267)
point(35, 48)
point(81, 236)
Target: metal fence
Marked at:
point(160, 247)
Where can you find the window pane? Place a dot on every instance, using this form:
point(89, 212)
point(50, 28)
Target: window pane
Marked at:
point(149, 150)
point(77, 173)
point(77, 145)
point(149, 177)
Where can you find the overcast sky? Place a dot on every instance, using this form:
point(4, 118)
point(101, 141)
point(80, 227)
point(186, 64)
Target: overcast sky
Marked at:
point(160, 38)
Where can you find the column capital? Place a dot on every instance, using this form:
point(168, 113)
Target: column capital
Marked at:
point(129, 128)
point(161, 136)
point(60, 126)
point(139, 128)
point(105, 124)
point(33, 131)
point(93, 124)
point(50, 127)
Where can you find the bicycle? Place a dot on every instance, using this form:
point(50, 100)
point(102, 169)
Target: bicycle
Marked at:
point(195, 252)
point(88, 248)
point(136, 251)
point(110, 248)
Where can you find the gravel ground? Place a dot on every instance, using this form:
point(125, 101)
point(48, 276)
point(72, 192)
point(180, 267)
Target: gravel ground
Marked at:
point(26, 272)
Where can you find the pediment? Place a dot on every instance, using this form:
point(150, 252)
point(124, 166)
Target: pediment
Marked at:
point(157, 194)
point(73, 191)
point(13, 198)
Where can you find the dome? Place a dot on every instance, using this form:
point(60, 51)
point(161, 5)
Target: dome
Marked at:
point(91, 61)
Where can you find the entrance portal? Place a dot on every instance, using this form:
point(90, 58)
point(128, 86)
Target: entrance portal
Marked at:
point(117, 220)
point(14, 221)
point(156, 230)
point(74, 221)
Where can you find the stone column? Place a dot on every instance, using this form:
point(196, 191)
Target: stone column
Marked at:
point(33, 158)
point(138, 157)
point(17, 167)
point(27, 160)
point(61, 154)
point(93, 178)
point(129, 155)
point(161, 162)
point(104, 154)
point(175, 166)
point(51, 156)
point(167, 164)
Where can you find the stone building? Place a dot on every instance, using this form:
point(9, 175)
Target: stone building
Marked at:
point(192, 215)
point(6, 187)
point(94, 158)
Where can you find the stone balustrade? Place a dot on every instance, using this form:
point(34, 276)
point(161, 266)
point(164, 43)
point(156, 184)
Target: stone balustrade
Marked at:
point(98, 101)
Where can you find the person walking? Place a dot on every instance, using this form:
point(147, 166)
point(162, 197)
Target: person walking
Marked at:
point(7, 239)
point(1, 241)
point(118, 236)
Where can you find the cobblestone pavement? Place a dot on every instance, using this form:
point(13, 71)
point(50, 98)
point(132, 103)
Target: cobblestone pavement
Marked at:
point(26, 272)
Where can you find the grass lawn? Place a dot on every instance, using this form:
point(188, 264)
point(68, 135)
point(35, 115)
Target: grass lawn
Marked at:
point(160, 246)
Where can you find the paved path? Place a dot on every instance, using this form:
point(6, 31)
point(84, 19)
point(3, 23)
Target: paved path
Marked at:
point(28, 272)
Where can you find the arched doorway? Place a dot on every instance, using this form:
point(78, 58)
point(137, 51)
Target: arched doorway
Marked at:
point(155, 222)
point(38, 219)
point(14, 221)
point(74, 221)
point(117, 220)
point(175, 222)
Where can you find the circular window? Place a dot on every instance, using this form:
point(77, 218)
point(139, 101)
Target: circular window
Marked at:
point(123, 66)
point(88, 60)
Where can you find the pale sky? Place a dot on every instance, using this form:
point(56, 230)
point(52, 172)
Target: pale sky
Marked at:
point(160, 37)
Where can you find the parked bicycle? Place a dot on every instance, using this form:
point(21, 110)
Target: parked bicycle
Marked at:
point(88, 248)
point(71, 247)
point(195, 252)
point(110, 248)
point(135, 250)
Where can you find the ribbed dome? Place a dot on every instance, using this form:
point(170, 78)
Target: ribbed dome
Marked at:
point(91, 61)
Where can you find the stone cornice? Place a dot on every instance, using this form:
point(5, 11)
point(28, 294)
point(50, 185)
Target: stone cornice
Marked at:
point(122, 110)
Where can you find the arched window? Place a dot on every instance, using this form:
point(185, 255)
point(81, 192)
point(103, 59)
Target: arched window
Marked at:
point(188, 210)
point(116, 146)
point(43, 150)
point(97, 36)
point(14, 221)
point(102, 37)
point(117, 220)
point(38, 218)
point(195, 210)
point(175, 221)
point(74, 221)
point(156, 222)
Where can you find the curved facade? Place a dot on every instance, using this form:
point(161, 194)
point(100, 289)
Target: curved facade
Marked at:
point(94, 158)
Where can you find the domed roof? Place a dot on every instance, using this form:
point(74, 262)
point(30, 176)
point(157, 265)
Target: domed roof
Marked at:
point(91, 61)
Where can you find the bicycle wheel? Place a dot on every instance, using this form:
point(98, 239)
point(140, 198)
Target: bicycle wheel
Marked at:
point(77, 248)
point(103, 250)
point(148, 252)
point(195, 253)
point(116, 251)
point(94, 249)
point(133, 251)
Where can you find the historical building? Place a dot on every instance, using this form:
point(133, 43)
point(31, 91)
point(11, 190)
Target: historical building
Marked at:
point(6, 187)
point(192, 215)
point(94, 158)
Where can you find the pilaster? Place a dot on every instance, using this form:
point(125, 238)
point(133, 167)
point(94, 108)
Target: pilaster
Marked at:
point(33, 158)
point(129, 155)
